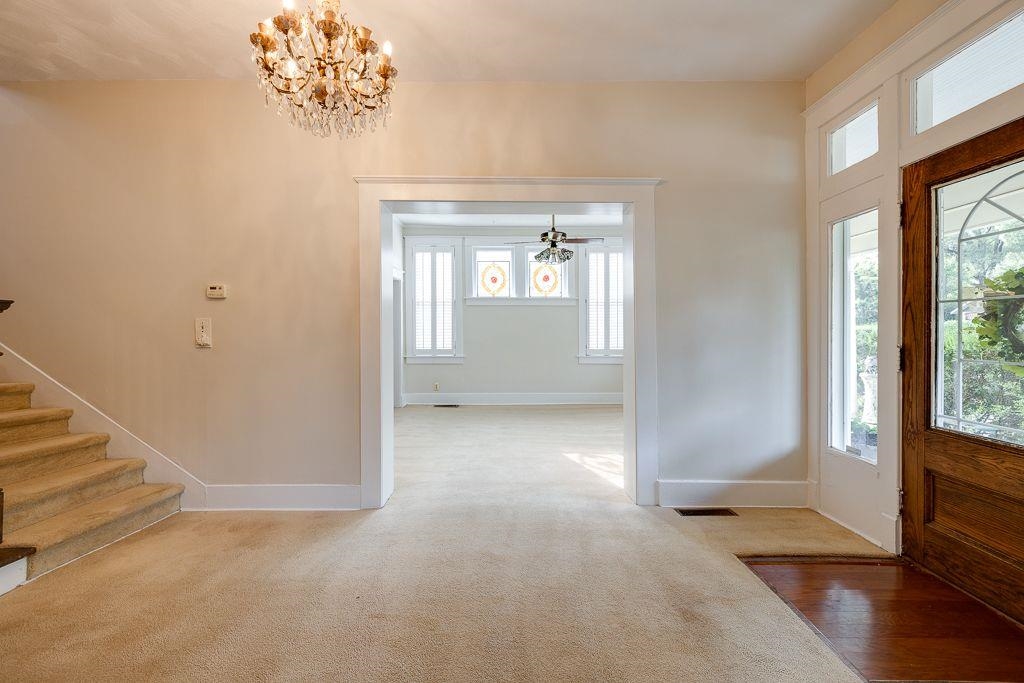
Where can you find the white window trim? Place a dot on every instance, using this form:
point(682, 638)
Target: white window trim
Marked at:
point(523, 301)
point(412, 355)
point(585, 355)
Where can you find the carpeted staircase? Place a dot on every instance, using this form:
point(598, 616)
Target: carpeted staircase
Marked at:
point(62, 494)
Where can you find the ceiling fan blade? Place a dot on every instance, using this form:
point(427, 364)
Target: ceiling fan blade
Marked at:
point(530, 242)
point(583, 240)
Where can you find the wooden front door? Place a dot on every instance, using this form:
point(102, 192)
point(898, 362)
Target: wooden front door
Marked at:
point(963, 382)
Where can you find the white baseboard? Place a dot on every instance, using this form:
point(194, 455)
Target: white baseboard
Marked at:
point(282, 497)
point(13, 575)
point(89, 418)
point(513, 399)
point(679, 493)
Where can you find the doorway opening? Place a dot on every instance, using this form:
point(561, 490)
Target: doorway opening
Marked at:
point(491, 311)
point(393, 211)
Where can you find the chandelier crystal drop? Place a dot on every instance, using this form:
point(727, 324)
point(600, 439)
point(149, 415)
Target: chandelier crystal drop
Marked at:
point(325, 73)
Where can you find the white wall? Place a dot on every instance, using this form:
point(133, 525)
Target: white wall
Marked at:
point(526, 349)
point(122, 200)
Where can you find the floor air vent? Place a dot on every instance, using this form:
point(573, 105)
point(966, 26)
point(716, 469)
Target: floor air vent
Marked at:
point(446, 405)
point(706, 512)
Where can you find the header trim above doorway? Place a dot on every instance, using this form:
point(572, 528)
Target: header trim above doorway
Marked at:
point(503, 180)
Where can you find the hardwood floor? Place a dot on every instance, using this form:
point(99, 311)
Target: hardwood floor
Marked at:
point(893, 621)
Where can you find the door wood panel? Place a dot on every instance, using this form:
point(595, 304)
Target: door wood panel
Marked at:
point(963, 494)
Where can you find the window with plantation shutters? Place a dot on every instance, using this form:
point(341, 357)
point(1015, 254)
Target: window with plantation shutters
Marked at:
point(432, 292)
point(604, 304)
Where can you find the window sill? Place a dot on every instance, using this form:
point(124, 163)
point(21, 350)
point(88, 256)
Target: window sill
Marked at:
point(600, 360)
point(435, 360)
point(831, 450)
point(519, 301)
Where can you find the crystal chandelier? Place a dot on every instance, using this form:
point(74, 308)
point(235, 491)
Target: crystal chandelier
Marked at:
point(323, 71)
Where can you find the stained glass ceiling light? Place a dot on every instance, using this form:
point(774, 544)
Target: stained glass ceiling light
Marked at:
point(554, 255)
point(323, 71)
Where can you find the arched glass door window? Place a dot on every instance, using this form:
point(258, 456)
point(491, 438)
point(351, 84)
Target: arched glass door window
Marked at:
point(979, 335)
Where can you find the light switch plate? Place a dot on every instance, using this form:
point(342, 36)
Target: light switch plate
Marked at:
point(204, 333)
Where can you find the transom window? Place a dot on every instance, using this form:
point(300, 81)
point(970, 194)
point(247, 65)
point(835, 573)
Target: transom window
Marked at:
point(493, 270)
point(854, 336)
point(509, 273)
point(984, 69)
point(544, 280)
point(854, 141)
point(979, 369)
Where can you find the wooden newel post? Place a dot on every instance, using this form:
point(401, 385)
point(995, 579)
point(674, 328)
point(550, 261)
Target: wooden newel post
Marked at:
point(4, 305)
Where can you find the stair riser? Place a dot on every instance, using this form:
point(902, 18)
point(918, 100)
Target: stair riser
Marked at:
point(33, 430)
point(30, 512)
point(37, 466)
point(55, 556)
point(15, 401)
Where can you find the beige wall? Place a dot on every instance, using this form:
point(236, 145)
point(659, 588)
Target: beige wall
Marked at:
point(121, 200)
point(883, 32)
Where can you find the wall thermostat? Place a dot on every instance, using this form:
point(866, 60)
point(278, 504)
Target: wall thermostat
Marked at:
point(216, 291)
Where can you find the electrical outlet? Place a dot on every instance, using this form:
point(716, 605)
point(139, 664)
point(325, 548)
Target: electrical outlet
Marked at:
point(204, 333)
point(437, 386)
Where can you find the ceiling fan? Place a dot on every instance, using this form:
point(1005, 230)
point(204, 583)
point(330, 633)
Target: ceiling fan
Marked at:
point(555, 254)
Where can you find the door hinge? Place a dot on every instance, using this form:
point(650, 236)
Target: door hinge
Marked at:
point(903, 214)
point(902, 358)
point(900, 492)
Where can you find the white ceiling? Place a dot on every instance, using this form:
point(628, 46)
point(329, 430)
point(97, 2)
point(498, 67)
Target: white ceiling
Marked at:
point(562, 221)
point(445, 40)
point(532, 215)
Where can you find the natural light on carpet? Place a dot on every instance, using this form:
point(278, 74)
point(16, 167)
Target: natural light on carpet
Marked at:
point(607, 466)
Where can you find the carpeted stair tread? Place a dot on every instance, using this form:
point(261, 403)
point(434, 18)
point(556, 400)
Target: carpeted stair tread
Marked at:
point(15, 395)
point(33, 423)
point(29, 459)
point(92, 516)
point(16, 388)
point(14, 418)
point(32, 500)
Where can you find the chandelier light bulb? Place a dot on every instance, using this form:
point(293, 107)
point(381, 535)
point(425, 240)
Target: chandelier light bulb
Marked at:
point(387, 48)
point(288, 5)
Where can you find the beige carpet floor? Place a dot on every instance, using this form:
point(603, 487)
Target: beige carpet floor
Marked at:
point(508, 553)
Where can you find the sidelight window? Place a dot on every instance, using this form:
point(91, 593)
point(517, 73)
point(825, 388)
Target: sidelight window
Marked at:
point(854, 336)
